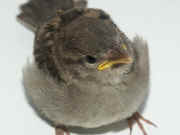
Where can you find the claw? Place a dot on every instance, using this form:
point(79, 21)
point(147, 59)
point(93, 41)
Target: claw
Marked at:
point(145, 120)
point(137, 117)
point(140, 125)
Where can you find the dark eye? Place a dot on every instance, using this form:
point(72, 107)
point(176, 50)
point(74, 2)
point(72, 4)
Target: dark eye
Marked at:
point(90, 59)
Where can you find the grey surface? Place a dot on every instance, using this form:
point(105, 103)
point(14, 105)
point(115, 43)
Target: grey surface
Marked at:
point(156, 20)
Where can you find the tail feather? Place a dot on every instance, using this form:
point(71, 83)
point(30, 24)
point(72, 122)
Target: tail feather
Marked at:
point(36, 12)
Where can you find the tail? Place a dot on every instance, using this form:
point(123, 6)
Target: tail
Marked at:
point(36, 12)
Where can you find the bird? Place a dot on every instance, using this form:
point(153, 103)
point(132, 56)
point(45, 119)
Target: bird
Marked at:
point(85, 71)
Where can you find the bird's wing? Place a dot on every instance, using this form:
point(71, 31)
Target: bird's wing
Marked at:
point(35, 12)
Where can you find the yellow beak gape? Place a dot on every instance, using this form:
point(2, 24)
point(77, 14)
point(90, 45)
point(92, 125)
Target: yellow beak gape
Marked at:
point(108, 64)
point(124, 47)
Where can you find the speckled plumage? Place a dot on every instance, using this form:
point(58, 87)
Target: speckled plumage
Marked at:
point(67, 90)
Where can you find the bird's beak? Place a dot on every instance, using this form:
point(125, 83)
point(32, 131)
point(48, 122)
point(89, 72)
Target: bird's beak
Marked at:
point(109, 63)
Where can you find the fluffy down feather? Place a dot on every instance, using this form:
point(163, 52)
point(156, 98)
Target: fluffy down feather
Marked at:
point(62, 104)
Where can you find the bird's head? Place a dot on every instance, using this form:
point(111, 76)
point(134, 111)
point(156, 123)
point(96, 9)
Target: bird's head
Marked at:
point(86, 45)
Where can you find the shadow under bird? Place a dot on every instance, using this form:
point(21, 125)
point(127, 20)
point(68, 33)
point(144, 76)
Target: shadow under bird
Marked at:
point(86, 72)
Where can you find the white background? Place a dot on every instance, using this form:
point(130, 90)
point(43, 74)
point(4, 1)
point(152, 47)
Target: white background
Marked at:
point(158, 21)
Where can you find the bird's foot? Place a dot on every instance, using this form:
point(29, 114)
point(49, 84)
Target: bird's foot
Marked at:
point(137, 117)
point(62, 131)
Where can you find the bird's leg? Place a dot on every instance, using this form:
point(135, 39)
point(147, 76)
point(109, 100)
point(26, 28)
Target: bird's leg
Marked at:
point(61, 131)
point(130, 124)
point(137, 117)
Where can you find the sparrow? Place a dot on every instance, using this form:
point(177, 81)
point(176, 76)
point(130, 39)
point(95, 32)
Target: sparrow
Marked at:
point(85, 71)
